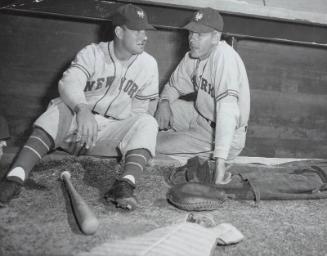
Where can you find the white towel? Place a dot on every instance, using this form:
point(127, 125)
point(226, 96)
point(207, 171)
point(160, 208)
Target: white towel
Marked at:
point(185, 239)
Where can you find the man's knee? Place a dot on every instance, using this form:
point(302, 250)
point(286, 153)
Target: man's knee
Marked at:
point(56, 121)
point(183, 114)
point(142, 134)
point(146, 120)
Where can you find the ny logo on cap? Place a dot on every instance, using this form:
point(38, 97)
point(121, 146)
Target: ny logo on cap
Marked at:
point(140, 14)
point(198, 16)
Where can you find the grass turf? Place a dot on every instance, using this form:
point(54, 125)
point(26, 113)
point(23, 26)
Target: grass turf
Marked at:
point(41, 222)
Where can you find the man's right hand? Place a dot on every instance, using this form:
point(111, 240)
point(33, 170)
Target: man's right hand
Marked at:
point(222, 175)
point(164, 115)
point(87, 128)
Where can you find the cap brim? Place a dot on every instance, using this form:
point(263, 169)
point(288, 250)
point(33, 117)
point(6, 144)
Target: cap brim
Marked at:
point(144, 26)
point(198, 27)
point(150, 27)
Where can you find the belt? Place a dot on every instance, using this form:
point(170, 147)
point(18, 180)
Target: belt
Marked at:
point(211, 123)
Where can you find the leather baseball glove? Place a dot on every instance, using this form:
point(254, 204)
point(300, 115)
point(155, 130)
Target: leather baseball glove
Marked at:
point(196, 170)
point(196, 197)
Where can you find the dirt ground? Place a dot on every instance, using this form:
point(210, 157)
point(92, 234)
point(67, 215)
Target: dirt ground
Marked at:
point(41, 221)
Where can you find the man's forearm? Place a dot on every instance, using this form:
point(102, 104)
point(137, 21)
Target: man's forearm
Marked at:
point(72, 97)
point(71, 88)
point(140, 106)
point(163, 103)
point(169, 93)
point(226, 124)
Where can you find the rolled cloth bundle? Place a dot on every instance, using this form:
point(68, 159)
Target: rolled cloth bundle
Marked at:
point(194, 189)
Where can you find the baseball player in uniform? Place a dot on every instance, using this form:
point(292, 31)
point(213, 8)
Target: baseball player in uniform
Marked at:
point(104, 95)
point(215, 123)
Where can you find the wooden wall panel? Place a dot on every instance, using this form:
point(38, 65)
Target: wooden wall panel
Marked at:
point(302, 11)
point(168, 47)
point(289, 99)
point(288, 83)
point(34, 53)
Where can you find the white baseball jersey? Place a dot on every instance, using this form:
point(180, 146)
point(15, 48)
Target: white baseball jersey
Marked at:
point(110, 88)
point(220, 75)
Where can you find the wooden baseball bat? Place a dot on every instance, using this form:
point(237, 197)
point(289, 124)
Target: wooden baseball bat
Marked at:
point(86, 219)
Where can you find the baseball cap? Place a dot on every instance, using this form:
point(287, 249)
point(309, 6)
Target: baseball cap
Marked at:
point(205, 20)
point(133, 17)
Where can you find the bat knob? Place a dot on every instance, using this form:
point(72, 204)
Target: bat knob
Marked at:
point(90, 227)
point(65, 173)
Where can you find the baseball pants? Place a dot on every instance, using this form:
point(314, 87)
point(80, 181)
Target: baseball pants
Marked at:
point(191, 134)
point(114, 136)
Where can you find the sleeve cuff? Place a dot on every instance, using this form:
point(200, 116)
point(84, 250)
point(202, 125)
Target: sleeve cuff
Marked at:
point(169, 93)
point(221, 152)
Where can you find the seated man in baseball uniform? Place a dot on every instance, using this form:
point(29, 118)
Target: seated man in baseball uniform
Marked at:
point(104, 95)
point(214, 124)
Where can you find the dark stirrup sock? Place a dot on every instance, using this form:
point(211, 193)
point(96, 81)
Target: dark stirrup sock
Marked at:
point(37, 145)
point(135, 161)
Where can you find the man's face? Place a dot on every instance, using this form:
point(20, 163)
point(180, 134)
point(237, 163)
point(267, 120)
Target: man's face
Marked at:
point(134, 40)
point(201, 43)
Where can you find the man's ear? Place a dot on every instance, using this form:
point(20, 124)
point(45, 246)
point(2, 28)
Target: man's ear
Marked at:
point(216, 37)
point(119, 32)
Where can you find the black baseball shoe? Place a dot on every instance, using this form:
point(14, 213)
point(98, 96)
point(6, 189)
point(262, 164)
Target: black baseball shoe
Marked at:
point(122, 194)
point(8, 191)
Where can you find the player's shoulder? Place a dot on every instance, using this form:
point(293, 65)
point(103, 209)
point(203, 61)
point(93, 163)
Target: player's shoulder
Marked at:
point(144, 56)
point(188, 59)
point(95, 48)
point(147, 59)
point(225, 50)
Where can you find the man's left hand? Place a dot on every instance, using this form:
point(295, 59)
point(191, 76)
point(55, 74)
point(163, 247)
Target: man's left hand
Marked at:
point(222, 176)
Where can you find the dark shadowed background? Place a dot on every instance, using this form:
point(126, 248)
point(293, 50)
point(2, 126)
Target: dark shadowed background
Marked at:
point(287, 71)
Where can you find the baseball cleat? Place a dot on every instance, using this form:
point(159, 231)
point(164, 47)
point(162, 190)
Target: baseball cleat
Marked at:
point(122, 194)
point(8, 191)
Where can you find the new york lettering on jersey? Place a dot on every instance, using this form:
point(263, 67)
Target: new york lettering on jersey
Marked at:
point(110, 87)
point(128, 86)
point(116, 101)
point(100, 83)
point(218, 82)
point(206, 86)
point(205, 100)
point(199, 81)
